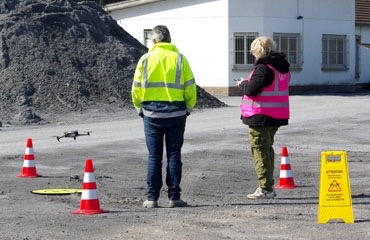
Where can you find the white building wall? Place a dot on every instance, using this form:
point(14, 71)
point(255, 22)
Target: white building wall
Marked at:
point(198, 29)
point(203, 31)
point(264, 17)
point(244, 16)
point(269, 16)
point(319, 18)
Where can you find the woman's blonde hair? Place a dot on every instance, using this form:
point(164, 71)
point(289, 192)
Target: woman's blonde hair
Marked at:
point(262, 46)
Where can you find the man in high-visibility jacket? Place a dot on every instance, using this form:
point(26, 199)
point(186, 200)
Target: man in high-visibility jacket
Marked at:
point(164, 93)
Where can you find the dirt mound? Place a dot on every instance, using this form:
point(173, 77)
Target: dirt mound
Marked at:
point(63, 56)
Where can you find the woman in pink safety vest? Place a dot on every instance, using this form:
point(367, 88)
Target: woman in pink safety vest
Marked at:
point(264, 108)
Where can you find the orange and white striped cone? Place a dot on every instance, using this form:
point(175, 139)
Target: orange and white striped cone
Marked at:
point(29, 166)
point(89, 203)
point(286, 175)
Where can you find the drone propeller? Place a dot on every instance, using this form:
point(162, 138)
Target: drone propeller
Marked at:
point(58, 137)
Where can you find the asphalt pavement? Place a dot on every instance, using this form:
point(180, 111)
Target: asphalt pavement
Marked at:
point(217, 175)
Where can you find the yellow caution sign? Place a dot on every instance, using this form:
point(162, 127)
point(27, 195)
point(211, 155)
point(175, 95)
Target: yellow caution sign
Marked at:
point(335, 193)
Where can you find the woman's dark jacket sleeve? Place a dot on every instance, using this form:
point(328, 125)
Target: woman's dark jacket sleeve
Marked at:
point(262, 77)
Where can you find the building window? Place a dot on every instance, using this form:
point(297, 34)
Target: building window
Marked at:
point(147, 37)
point(334, 52)
point(290, 45)
point(242, 48)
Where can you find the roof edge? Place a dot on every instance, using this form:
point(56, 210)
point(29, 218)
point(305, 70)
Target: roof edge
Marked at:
point(127, 4)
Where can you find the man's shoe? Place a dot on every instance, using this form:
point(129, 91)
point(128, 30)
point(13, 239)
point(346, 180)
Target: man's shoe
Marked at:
point(150, 204)
point(262, 194)
point(177, 203)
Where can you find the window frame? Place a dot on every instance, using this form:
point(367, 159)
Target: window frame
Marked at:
point(334, 55)
point(241, 55)
point(147, 37)
point(290, 53)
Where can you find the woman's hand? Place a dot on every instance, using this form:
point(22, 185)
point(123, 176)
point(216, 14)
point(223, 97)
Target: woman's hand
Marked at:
point(238, 81)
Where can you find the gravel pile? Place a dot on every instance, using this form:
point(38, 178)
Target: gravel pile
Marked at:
point(63, 56)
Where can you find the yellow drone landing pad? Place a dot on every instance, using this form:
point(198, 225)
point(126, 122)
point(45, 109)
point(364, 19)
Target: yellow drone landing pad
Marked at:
point(56, 191)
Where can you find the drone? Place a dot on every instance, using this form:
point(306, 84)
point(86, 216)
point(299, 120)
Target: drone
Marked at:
point(73, 134)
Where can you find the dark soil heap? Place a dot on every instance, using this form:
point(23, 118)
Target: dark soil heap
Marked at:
point(65, 56)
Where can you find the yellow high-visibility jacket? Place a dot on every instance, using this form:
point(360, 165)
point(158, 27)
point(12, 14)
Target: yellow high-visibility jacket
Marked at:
point(164, 84)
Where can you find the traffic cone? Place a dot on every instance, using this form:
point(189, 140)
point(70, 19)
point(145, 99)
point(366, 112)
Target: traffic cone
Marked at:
point(89, 203)
point(286, 175)
point(29, 166)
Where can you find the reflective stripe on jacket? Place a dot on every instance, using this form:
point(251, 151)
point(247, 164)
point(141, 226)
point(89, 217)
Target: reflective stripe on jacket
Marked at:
point(164, 84)
point(273, 101)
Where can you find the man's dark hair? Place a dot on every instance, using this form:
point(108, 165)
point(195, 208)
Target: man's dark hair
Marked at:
point(160, 33)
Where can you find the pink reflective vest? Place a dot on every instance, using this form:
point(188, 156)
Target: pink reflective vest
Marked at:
point(273, 101)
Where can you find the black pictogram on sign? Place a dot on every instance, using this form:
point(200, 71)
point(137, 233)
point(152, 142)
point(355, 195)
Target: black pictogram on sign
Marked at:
point(334, 187)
